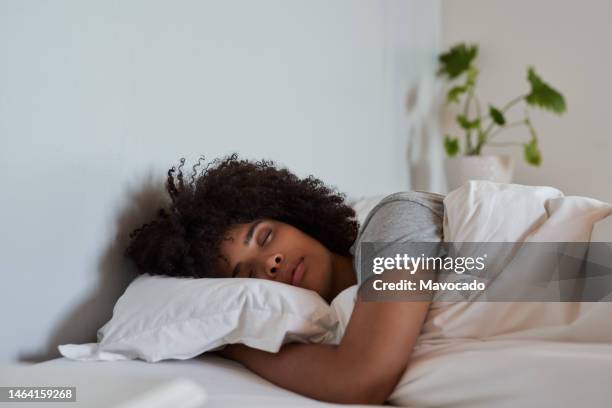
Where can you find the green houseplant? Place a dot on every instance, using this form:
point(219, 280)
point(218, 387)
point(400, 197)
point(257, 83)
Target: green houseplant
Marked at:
point(481, 127)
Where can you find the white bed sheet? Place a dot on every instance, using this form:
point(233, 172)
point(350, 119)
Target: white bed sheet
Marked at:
point(465, 373)
point(472, 373)
point(228, 384)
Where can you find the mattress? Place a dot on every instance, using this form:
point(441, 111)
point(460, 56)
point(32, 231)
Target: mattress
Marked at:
point(227, 383)
point(473, 373)
point(468, 373)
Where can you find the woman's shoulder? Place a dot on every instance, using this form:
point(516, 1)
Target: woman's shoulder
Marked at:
point(407, 199)
point(412, 204)
point(404, 215)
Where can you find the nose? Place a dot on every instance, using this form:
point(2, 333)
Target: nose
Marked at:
point(273, 265)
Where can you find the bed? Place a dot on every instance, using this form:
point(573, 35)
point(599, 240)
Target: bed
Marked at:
point(467, 373)
point(227, 383)
point(469, 354)
point(472, 373)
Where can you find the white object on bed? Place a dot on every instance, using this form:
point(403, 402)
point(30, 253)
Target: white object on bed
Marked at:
point(99, 388)
point(510, 354)
point(508, 374)
point(160, 317)
point(507, 354)
point(484, 211)
point(227, 383)
point(473, 374)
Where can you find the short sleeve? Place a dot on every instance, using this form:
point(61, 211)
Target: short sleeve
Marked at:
point(410, 216)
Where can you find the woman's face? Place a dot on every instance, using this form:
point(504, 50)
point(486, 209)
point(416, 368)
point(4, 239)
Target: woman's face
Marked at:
point(270, 249)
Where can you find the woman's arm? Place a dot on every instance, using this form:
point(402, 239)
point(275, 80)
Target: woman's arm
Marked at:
point(364, 368)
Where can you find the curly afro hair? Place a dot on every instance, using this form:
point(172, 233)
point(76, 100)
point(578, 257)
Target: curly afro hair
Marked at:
point(184, 240)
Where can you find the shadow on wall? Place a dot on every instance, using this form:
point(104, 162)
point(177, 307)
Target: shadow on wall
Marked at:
point(81, 324)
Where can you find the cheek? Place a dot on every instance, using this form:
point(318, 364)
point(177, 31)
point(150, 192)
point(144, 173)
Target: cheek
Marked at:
point(320, 274)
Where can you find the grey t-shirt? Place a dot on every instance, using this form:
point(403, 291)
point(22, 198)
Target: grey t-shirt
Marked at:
point(406, 216)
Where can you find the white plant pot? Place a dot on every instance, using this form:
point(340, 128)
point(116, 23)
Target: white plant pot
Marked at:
point(493, 168)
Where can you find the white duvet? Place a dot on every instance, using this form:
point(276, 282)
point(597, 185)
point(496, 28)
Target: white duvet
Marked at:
point(498, 354)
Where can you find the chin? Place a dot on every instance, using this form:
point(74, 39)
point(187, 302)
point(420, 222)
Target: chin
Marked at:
point(313, 286)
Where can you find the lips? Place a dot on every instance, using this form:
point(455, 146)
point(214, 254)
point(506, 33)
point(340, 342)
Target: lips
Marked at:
point(297, 272)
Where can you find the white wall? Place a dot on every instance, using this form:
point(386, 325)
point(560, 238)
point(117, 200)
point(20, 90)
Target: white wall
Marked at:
point(568, 42)
point(99, 98)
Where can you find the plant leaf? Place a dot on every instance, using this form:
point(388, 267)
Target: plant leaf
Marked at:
point(532, 152)
point(451, 145)
point(543, 95)
point(467, 124)
point(497, 115)
point(454, 93)
point(470, 82)
point(457, 60)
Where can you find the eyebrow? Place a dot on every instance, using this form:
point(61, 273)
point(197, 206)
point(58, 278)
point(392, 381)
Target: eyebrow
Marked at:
point(247, 240)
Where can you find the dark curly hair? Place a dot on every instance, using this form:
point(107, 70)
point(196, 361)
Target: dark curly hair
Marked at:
point(184, 240)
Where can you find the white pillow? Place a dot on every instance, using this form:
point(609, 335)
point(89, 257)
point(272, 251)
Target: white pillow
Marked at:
point(160, 317)
point(484, 211)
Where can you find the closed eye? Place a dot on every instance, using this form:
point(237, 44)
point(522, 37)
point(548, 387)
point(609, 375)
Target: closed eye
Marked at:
point(267, 237)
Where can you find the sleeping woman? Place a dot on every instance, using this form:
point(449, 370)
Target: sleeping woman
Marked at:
point(246, 219)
